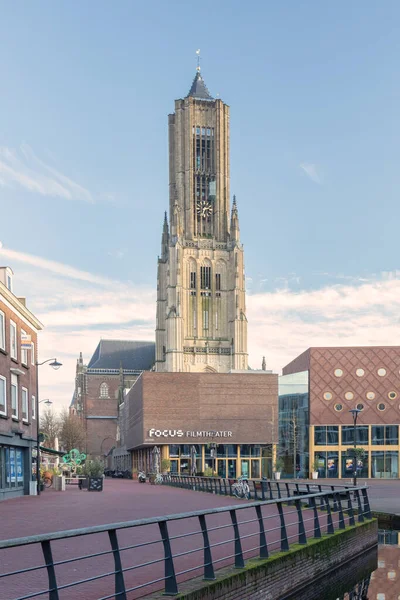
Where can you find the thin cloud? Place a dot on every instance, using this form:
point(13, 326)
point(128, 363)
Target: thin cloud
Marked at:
point(311, 170)
point(54, 267)
point(22, 168)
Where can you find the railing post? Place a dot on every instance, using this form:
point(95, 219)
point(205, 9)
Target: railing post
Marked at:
point(239, 562)
point(284, 537)
point(262, 489)
point(367, 508)
point(287, 489)
point(255, 490)
point(171, 587)
point(263, 540)
point(302, 531)
point(322, 499)
point(271, 495)
point(279, 490)
point(331, 529)
point(334, 499)
point(341, 516)
point(350, 508)
point(317, 528)
point(51, 573)
point(119, 574)
point(208, 563)
point(360, 510)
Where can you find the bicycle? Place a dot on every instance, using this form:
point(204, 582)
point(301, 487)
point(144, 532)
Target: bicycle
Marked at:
point(47, 481)
point(158, 479)
point(241, 488)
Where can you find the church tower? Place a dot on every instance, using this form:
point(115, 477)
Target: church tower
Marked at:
point(201, 304)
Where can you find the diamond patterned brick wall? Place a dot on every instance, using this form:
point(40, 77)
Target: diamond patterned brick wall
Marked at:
point(323, 364)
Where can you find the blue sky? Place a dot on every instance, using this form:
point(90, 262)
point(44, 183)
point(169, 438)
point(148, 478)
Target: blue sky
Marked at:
point(314, 95)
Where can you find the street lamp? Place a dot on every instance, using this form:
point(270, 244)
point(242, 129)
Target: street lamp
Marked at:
point(55, 364)
point(355, 412)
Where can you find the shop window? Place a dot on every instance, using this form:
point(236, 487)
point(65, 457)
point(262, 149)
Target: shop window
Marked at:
point(348, 434)
point(347, 466)
point(327, 464)
point(232, 469)
point(245, 450)
point(222, 468)
point(174, 466)
point(231, 450)
point(173, 450)
point(255, 469)
point(385, 464)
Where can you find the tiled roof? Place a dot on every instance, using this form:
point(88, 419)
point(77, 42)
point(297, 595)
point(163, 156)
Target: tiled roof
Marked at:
point(199, 89)
point(132, 355)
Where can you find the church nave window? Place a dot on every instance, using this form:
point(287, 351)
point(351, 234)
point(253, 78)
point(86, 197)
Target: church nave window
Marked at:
point(104, 390)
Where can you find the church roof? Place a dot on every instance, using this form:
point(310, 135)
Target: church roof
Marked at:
point(199, 89)
point(131, 355)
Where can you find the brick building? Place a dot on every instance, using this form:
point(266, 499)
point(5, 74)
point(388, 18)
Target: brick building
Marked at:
point(99, 389)
point(325, 384)
point(18, 390)
point(185, 414)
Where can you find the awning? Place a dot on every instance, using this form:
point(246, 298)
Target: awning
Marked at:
point(52, 451)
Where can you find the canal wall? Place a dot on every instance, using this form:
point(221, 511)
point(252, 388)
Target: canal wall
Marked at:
point(283, 573)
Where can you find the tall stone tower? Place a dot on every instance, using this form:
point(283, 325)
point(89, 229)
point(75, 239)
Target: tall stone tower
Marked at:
point(201, 304)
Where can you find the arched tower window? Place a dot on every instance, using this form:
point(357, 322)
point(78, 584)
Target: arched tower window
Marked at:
point(104, 390)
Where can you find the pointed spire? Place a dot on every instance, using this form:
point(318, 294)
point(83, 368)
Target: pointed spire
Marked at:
point(199, 89)
point(235, 232)
point(165, 238)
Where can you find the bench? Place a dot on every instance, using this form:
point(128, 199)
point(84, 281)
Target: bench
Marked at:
point(73, 480)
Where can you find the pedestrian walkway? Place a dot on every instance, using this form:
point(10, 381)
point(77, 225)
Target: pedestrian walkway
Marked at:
point(384, 494)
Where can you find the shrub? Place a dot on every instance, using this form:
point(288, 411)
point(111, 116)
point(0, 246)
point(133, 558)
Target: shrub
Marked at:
point(94, 468)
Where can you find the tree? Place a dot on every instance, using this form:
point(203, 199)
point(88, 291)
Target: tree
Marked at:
point(50, 426)
point(72, 432)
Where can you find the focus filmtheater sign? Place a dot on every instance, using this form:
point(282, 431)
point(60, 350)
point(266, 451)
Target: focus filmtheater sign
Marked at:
point(171, 433)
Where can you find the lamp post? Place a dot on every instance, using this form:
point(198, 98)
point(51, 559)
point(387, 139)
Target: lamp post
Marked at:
point(53, 362)
point(355, 412)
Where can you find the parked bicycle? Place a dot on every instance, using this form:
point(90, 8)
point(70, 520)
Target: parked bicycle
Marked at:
point(158, 479)
point(241, 489)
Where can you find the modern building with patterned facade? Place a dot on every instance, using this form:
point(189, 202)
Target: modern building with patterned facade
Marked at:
point(333, 381)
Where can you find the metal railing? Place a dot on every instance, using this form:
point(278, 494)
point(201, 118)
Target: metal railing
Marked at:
point(171, 549)
point(260, 489)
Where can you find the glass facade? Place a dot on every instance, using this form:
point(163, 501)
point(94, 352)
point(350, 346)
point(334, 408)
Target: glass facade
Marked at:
point(11, 467)
point(293, 424)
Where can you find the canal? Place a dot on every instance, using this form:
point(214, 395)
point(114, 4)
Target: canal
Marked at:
point(374, 575)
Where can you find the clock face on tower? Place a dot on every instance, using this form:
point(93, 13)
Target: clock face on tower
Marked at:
point(204, 208)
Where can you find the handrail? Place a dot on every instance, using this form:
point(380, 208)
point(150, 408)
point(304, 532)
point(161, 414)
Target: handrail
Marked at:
point(271, 519)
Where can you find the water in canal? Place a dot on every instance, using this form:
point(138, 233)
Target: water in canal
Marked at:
point(374, 575)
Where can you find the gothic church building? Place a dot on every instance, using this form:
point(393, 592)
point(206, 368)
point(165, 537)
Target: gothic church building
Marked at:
point(201, 303)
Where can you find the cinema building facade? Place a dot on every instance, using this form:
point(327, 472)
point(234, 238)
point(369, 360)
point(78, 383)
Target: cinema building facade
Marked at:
point(223, 422)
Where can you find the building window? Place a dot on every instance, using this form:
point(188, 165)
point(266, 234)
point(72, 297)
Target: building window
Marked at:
point(360, 372)
point(370, 395)
point(392, 395)
point(338, 407)
point(385, 435)
point(381, 406)
point(33, 407)
point(218, 282)
point(193, 280)
point(205, 318)
point(2, 331)
point(205, 275)
point(338, 372)
point(349, 395)
point(348, 434)
point(385, 464)
point(24, 351)
point(33, 358)
point(24, 402)
point(328, 396)
point(13, 340)
point(104, 390)
point(14, 396)
point(3, 395)
point(381, 372)
point(326, 436)
point(360, 406)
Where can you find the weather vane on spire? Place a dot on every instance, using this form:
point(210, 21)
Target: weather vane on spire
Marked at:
point(198, 60)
